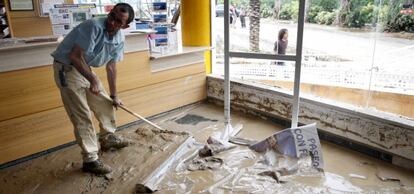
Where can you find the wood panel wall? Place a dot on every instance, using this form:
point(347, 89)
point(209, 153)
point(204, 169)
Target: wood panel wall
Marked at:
point(32, 118)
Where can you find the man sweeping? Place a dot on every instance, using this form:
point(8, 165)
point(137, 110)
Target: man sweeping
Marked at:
point(93, 43)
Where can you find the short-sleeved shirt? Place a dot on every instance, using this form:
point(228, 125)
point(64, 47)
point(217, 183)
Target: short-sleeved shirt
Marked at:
point(92, 37)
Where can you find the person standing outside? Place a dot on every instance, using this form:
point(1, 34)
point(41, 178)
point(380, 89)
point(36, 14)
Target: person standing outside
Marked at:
point(94, 43)
point(234, 13)
point(281, 44)
point(242, 17)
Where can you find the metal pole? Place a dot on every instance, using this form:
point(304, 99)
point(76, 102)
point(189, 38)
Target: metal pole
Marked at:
point(212, 35)
point(226, 65)
point(373, 59)
point(298, 63)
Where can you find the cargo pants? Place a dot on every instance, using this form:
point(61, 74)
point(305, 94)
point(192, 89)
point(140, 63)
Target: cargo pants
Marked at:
point(79, 101)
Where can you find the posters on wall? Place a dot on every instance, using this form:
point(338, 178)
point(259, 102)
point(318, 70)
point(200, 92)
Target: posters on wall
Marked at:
point(61, 17)
point(160, 18)
point(47, 5)
point(64, 17)
point(159, 6)
point(160, 38)
point(61, 29)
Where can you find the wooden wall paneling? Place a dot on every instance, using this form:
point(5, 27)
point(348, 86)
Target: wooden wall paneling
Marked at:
point(27, 91)
point(33, 133)
point(135, 71)
point(24, 27)
point(162, 97)
point(36, 132)
point(33, 90)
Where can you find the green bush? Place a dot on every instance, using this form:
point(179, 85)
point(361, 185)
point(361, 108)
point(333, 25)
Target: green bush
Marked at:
point(367, 13)
point(360, 13)
point(326, 5)
point(380, 14)
point(353, 20)
point(325, 17)
point(401, 23)
point(313, 12)
point(266, 11)
point(290, 11)
point(397, 22)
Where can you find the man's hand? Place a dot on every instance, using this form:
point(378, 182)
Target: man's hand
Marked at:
point(78, 61)
point(116, 102)
point(94, 86)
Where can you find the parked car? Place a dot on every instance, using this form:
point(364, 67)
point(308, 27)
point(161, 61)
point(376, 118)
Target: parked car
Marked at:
point(219, 10)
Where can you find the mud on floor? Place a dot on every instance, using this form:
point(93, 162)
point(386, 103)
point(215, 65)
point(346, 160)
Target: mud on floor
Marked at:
point(60, 172)
point(239, 170)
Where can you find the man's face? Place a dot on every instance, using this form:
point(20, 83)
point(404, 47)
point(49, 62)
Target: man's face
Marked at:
point(117, 20)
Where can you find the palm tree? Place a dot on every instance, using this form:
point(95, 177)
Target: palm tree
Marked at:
point(308, 3)
point(254, 25)
point(276, 9)
point(344, 9)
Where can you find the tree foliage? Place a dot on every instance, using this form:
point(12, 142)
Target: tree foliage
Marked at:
point(346, 13)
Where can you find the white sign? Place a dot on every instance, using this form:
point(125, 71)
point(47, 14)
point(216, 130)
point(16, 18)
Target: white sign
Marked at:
point(295, 142)
point(64, 17)
point(60, 18)
point(61, 29)
point(47, 5)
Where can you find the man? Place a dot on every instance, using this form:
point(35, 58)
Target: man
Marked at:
point(93, 43)
point(242, 18)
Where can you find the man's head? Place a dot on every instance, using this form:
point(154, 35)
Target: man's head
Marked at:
point(120, 16)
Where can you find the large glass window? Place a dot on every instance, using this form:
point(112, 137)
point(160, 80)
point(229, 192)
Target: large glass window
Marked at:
point(360, 52)
point(357, 52)
point(256, 28)
point(253, 28)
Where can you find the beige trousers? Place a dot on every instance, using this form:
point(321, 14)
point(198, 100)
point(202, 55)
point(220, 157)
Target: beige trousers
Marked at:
point(79, 102)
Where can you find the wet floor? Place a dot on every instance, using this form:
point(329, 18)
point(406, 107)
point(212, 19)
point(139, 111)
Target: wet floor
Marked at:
point(238, 170)
point(346, 171)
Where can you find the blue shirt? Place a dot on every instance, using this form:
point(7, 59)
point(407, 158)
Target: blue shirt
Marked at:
point(92, 37)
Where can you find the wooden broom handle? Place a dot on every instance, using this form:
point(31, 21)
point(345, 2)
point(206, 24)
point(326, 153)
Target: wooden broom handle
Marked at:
point(140, 117)
point(132, 113)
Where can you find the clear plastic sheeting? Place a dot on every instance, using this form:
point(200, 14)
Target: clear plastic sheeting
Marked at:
point(249, 172)
point(245, 171)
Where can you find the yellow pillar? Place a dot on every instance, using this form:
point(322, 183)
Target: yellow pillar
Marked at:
point(196, 26)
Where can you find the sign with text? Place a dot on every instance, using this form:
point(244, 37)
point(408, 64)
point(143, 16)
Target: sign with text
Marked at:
point(295, 142)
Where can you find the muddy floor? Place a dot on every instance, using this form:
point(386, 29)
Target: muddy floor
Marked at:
point(60, 172)
point(239, 170)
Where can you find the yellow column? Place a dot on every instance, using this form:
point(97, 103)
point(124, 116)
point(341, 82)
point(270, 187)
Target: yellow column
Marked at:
point(196, 26)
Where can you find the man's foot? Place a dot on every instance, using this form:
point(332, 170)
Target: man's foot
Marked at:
point(96, 167)
point(111, 140)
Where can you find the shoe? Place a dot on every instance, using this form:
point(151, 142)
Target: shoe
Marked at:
point(96, 167)
point(111, 140)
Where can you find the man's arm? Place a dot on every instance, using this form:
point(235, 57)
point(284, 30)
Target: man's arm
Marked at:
point(78, 61)
point(111, 75)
